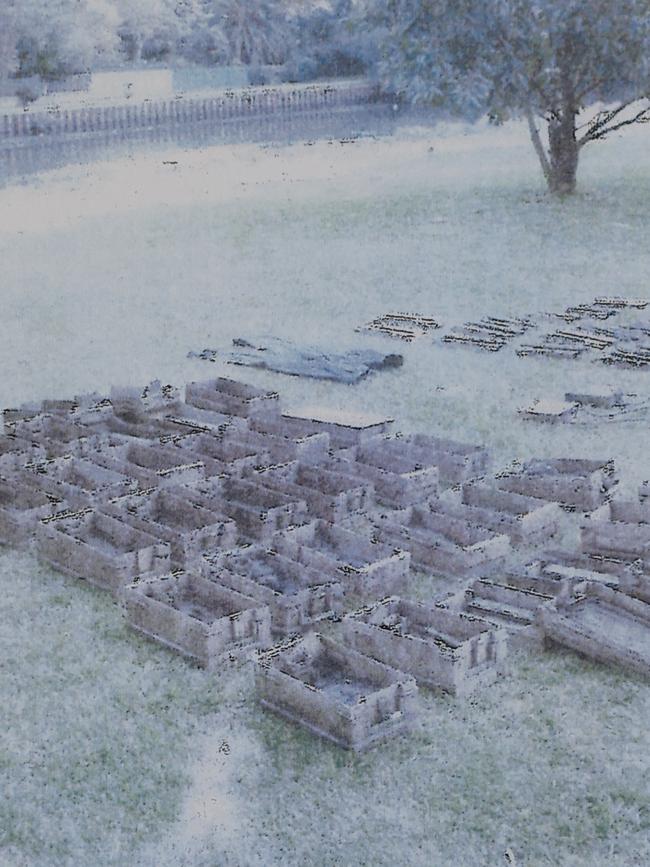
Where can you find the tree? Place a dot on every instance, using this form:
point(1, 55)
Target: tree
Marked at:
point(543, 60)
point(255, 31)
point(62, 36)
point(8, 38)
point(330, 40)
point(150, 29)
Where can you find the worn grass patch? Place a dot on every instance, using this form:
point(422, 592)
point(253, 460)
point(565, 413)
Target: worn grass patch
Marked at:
point(96, 724)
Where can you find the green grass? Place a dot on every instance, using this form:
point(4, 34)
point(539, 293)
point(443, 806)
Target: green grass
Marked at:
point(105, 734)
point(111, 749)
point(91, 719)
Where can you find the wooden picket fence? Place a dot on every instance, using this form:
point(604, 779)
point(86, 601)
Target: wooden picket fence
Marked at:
point(233, 105)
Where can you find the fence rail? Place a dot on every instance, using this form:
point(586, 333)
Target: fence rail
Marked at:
point(228, 105)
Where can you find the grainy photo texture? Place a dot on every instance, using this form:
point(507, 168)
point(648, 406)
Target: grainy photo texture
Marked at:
point(324, 469)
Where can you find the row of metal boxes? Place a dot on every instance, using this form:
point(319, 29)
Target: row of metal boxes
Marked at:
point(213, 486)
point(594, 599)
point(223, 471)
point(82, 455)
point(224, 525)
point(355, 686)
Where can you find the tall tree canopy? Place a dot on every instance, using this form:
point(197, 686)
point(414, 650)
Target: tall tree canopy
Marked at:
point(331, 39)
point(544, 60)
point(55, 38)
point(52, 38)
point(8, 37)
point(254, 32)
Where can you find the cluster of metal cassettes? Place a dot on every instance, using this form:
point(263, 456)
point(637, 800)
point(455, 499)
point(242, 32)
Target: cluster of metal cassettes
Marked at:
point(583, 333)
point(228, 527)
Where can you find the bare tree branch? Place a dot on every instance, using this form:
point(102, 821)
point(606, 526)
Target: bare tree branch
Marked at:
point(601, 129)
point(601, 120)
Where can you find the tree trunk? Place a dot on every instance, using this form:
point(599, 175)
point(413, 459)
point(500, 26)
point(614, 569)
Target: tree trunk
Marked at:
point(563, 155)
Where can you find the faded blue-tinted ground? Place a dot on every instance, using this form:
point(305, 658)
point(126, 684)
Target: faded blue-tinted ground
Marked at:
point(113, 751)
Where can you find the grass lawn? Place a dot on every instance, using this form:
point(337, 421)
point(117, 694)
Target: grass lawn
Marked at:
point(113, 751)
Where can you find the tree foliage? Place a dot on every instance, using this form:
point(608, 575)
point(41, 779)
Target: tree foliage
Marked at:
point(61, 36)
point(52, 38)
point(8, 37)
point(252, 33)
point(545, 60)
point(330, 41)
